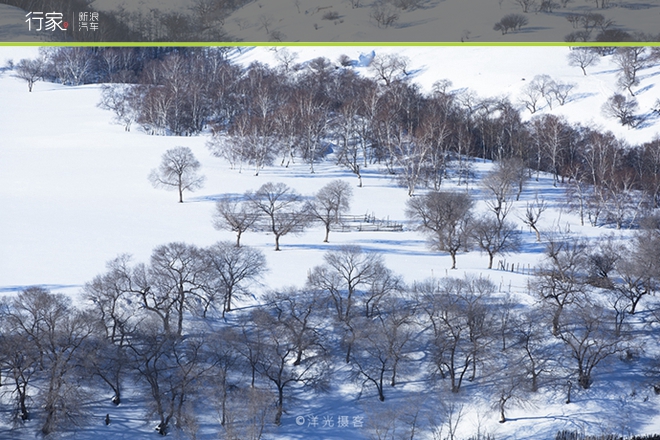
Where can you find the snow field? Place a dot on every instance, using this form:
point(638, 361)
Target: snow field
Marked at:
point(75, 194)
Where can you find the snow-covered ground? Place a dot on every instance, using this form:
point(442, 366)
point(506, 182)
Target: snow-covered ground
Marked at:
point(74, 194)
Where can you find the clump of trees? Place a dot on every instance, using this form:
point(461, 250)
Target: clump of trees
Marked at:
point(511, 22)
point(280, 210)
point(446, 218)
point(141, 327)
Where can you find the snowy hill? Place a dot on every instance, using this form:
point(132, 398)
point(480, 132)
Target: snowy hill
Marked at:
point(75, 194)
point(448, 20)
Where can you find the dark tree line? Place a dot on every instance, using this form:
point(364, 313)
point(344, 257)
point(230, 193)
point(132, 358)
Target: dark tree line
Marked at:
point(260, 115)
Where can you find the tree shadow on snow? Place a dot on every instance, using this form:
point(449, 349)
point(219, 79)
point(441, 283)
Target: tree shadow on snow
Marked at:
point(529, 30)
point(9, 289)
point(367, 245)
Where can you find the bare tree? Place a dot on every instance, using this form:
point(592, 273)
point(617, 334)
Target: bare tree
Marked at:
point(234, 214)
point(389, 68)
point(20, 359)
point(278, 353)
point(589, 336)
point(583, 57)
point(168, 287)
point(508, 390)
point(230, 271)
point(29, 70)
point(530, 97)
point(552, 135)
point(531, 346)
point(300, 312)
point(495, 237)
point(349, 279)
point(562, 277)
point(347, 274)
point(547, 6)
point(382, 345)
point(70, 65)
point(310, 110)
point(173, 369)
point(636, 277)
point(445, 218)
point(602, 260)
point(561, 91)
point(526, 5)
point(330, 203)
point(226, 361)
point(282, 209)
point(266, 22)
point(248, 412)
point(533, 212)
point(178, 171)
point(384, 14)
point(450, 414)
point(121, 99)
point(500, 187)
point(545, 85)
point(460, 323)
point(622, 108)
point(630, 61)
point(118, 316)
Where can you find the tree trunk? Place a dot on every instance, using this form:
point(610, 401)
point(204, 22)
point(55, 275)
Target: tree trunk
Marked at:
point(502, 417)
point(22, 397)
point(633, 304)
point(584, 380)
point(280, 405)
point(555, 321)
point(228, 303)
point(538, 234)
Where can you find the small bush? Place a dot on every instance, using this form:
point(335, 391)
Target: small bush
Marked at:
point(384, 14)
point(331, 15)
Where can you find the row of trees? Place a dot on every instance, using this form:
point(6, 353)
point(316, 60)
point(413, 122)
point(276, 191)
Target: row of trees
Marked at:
point(445, 217)
point(280, 210)
point(155, 328)
point(260, 115)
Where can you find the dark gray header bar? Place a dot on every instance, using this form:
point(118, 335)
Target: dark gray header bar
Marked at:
point(331, 21)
